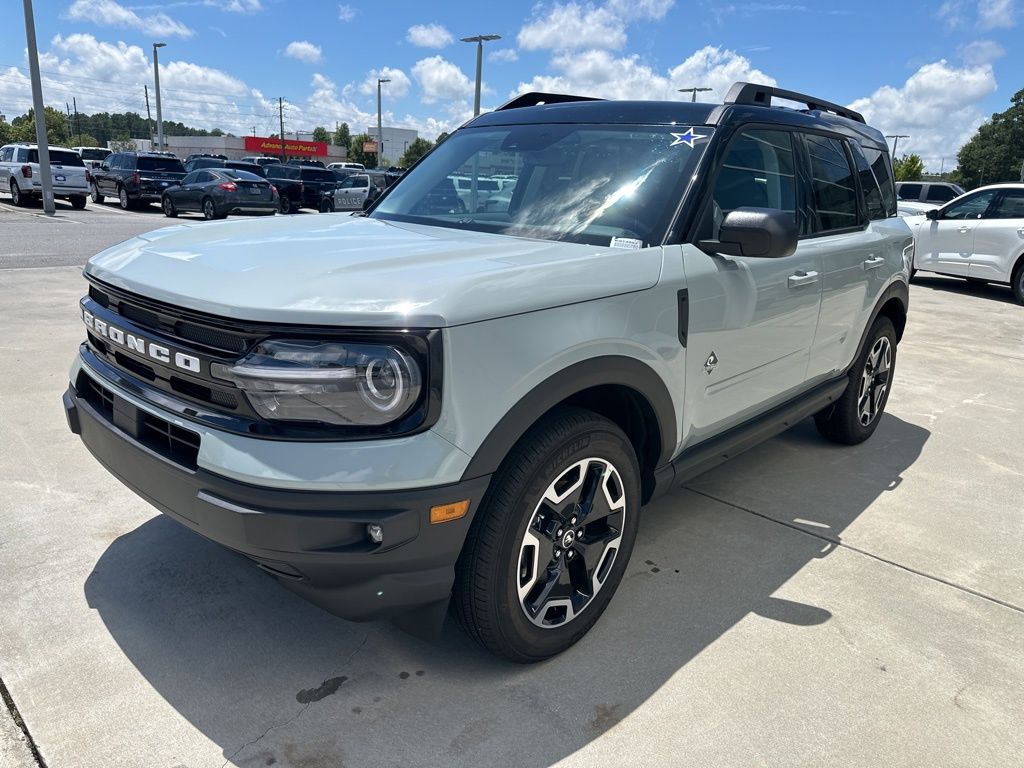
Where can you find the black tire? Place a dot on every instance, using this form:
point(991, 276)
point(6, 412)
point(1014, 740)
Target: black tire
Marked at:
point(94, 193)
point(123, 200)
point(210, 210)
point(486, 599)
point(286, 205)
point(17, 198)
point(846, 421)
point(1017, 281)
point(326, 205)
point(168, 207)
point(77, 202)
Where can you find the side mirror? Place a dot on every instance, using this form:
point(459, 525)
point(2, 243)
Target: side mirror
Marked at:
point(765, 233)
point(932, 214)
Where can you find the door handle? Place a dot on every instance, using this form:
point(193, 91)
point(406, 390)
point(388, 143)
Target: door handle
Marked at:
point(802, 278)
point(964, 230)
point(874, 263)
point(1021, 231)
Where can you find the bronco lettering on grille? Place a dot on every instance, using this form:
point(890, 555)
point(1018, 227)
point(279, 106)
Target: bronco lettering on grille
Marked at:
point(141, 345)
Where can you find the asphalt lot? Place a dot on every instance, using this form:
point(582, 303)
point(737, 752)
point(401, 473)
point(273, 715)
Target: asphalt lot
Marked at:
point(805, 604)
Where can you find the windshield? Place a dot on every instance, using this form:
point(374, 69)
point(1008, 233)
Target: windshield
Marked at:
point(582, 183)
point(157, 164)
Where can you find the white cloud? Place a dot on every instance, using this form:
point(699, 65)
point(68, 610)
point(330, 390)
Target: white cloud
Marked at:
point(398, 87)
point(599, 73)
point(303, 50)
point(993, 14)
point(938, 106)
point(112, 14)
point(570, 26)
point(643, 9)
point(503, 55)
point(429, 36)
point(346, 13)
point(441, 80)
point(981, 52)
point(239, 6)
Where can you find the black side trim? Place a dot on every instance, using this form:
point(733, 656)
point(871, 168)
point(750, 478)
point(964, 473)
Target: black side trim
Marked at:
point(898, 290)
point(683, 300)
point(598, 371)
point(716, 450)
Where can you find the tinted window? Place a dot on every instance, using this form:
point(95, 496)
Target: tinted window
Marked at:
point(972, 207)
point(909, 191)
point(869, 185)
point(94, 154)
point(21, 155)
point(160, 164)
point(1011, 206)
point(360, 181)
point(58, 157)
point(203, 176)
point(192, 178)
point(281, 171)
point(247, 167)
point(310, 173)
point(6, 154)
point(833, 189)
point(939, 194)
point(758, 171)
point(880, 166)
point(239, 175)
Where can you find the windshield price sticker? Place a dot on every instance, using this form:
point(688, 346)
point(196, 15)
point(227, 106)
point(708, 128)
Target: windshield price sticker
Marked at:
point(630, 243)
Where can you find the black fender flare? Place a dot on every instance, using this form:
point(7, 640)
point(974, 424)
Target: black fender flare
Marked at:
point(606, 370)
point(898, 290)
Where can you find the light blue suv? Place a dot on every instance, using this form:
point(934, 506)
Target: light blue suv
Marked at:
point(437, 405)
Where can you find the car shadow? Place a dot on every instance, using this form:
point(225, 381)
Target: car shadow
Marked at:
point(950, 284)
point(274, 681)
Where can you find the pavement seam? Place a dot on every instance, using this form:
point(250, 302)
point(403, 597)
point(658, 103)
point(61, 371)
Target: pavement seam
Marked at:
point(297, 715)
point(859, 551)
point(20, 722)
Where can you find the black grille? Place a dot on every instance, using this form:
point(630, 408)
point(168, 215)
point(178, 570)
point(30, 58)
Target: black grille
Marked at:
point(139, 315)
point(169, 440)
point(99, 296)
point(210, 337)
point(99, 397)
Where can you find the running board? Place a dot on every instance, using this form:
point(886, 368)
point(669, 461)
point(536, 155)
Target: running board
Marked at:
point(710, 453)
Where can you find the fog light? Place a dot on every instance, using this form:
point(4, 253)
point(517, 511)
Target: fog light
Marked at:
point(375, 532)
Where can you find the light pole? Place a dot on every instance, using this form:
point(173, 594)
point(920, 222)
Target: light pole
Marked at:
point(42, 143)
point(380, 129)
point(693, 91)
point(159, 113)
point(896, 141)
point(479, 40)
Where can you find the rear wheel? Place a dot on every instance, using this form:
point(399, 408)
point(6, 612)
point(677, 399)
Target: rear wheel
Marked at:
point(210, 210)
point(94, 193)
point(123, 200)
point(1017, 282)
point(286, 204)
point(854, 417)
point(550, 544)
point(168, 206)
point(77, 202)
point(16, 197)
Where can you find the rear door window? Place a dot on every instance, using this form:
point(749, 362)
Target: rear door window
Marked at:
point(1010, 206)
point(939, 194)
point(833, 187)
point(909, 191)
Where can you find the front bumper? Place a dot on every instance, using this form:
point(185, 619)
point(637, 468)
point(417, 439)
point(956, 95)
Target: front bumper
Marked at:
point(314, 542)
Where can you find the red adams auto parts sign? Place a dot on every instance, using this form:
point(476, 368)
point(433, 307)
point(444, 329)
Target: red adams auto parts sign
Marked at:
point(267, 146)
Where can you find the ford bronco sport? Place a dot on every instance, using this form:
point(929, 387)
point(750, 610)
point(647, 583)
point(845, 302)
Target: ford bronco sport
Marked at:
point(426, 406)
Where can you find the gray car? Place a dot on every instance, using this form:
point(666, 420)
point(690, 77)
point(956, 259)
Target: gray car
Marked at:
point(217, 192)
point(429, 407)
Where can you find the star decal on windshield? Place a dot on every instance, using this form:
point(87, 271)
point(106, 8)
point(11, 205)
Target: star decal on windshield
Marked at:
point(686, 138)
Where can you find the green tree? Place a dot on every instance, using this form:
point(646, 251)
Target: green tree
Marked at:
point(214, 132)
point(321, 134)
point(6, 132)
point(996, 151)
point(86, 140)
point(908, 168)
point(343, 137)
point(123, 143)
point(56, 126)
point(416, 150)
point(356, 154)
point(441, 137)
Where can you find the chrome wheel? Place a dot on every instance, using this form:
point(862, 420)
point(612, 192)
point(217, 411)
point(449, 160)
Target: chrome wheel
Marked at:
point(571, 542)
point(122, 198)
point(874, 382)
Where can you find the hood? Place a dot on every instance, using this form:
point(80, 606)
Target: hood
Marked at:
point(337, 269)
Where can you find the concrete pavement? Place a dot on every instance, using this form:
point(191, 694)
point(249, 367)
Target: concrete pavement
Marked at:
point(804, 604)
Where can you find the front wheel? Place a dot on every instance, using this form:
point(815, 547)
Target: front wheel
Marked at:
point(94, 193)
point(551, 541)
point(853, 418)
point(326, 205)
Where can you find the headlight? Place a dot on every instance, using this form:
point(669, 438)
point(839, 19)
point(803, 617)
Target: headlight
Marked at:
point(338, 383)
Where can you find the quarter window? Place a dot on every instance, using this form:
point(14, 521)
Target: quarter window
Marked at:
point(833, 188)
point(758, 171)
point(869, 184)
point(1011, 206)
point(973, 207)
point(909, 192)
point(879, 162)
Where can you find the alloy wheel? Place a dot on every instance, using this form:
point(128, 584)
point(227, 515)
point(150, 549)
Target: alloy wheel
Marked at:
point(874, 381)
point(571, 542)
point(122, 197)
point(208, 210)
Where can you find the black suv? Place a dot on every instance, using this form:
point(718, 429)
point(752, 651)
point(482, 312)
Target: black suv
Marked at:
point(302, 186)
point(135, 177)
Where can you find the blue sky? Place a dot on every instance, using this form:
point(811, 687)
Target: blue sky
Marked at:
point(933, 70)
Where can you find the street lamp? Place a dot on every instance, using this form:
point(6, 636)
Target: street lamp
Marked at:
point(159, 113)
point(380, 129)
point(479, 40)
point(692, 91)
point(896, 140)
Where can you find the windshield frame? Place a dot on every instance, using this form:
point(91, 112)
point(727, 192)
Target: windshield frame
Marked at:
point(657, 234)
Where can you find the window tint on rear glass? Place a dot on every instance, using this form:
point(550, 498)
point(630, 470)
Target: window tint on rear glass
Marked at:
point(160, 165)
point(869, 184)
point(312, 173)
point(833, 189)
point(240, 175)
point(758, 171)
point(939, 194)
point(58, 157)
point(95, 154)
point(909, 191)
point(1011, 206)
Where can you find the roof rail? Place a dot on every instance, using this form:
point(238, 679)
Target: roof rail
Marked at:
point(535, 99)
point(761, 96)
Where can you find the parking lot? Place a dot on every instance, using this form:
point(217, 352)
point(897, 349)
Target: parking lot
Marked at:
point(803, 604)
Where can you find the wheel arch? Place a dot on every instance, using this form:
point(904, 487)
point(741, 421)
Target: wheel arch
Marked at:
point(625, 390)
point(893, 304)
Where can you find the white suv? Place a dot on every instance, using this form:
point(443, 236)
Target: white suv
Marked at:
point(19, 174)
point(979, 236)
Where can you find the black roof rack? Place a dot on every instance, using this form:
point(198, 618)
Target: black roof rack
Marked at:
point(761, 96)
point(535, 99)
